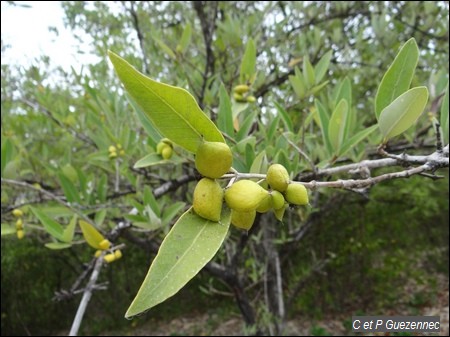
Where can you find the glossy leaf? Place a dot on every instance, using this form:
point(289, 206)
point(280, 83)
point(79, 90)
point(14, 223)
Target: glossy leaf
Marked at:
point(167, 106)
point(143, 118)
point(92, 236)
point(338, 124)
point(190, 245)
point(51, 226)
point(444, 117)
point(248, 63)
point(398, 77)
point(403, 112)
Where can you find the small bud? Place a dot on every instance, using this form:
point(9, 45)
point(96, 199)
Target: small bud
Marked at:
point(20, 234)
point(113, 155)
point(118, 254)
point(104, 244)
point(122, 152)
point(97, 254)
point(109, 258)
point(167, 153)
point(119, 146)
point(112, 148)
point(17, 213)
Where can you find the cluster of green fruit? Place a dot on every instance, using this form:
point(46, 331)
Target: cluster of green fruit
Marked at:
point(245, 197)
point(165, 148)
point(115, 151)
point(241, 94)
point(19, 223)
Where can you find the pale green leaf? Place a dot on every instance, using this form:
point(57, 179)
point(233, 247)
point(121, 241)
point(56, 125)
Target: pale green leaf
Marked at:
point(260, 163)
point(444, 117)
point(403, 112)
point(149, 199)
point(171, 211)
point(190, 245)
point(225, 113)
point(324, 122)
point(338, 124)
point(172, 110)
point(308, 72)
point(285, 117)
point(248, 62)
point(51, 226)
point(69, 189)
point(398, 77)
point(165, 48)
point(67, 235)
point(353, 141)
point(185, 38)
point(7, 153)
point(58, 245)
point(144, 119)
point(92, 236)
point(151, 159)
point(322, 66)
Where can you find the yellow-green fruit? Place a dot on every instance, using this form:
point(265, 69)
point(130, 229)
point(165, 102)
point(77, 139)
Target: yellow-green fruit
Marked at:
point(279, 213)
point(241, 89)
point(208, 199)
point(213, 159)
point(296, 194)
point(118, 254)
point(251, 99)
point(167, 152)
point(104, 244)
point(278, 177)
point(17, 212)
point(167, 141)
point(265, 205)
point(109, 258)
point(239, 98)
point(243, 220)
point(122, 152)
point(112, 148)
point(160, 147)
point(277, 200)
point(98, 252)
point(245, 195)
point(19, 224)
point(20, 234)
point(112, 155)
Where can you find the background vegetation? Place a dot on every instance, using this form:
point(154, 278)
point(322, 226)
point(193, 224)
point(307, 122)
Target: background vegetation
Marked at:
point(349, 253)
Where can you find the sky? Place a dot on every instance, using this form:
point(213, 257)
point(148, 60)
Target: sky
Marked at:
point(26, 31)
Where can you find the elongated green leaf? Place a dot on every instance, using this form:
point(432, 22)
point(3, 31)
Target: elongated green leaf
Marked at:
point(444, 117)
point(149, 199)
point(58, 245)
point(151, 160)
point(308, 72)
point(324, 122)
point(165, 48)
point(338, 124)
point(260, 163)
point(92, 236)
point(190, 245)
point(298, 85)
point(185, 39)
point(285, 117)
point(403, 112)
point(171, 212)
point(225, 113)
point(51, 226)
point(322, 66)
point(172, 110)
point(7, 152)
point(398, 77)
point(145, 121)
point(67, 235)
point(246, 126)
point(69, 189)
point(351, 142)
point(248, 63)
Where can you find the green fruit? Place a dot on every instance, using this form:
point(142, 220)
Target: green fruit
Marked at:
point(251, 99)
point(243, 220)
point(239, 98)
point(19, 224)
point(245, 195)
point(160, 147)
point(98, 253)
point(241, 89)
point(279, 213)
point(167, 152)
point(213, 159)
point(265, 205)
point(277, 200)
point(278, 177)
point(296, 194)
point(208, 199)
